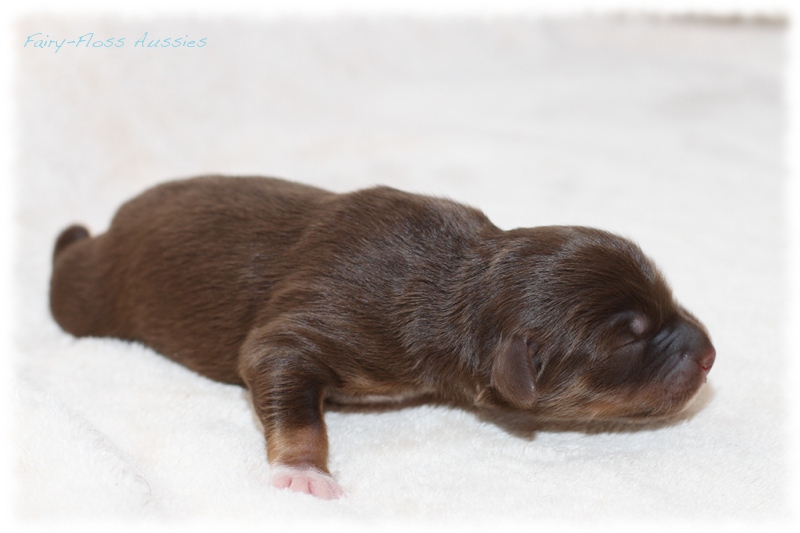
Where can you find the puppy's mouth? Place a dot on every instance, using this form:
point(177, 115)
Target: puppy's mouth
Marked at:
point(683, 382)
point(675, 400)
point(674, 388)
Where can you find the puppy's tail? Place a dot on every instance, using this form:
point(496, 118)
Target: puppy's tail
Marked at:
point(76, 285)
point(70, 235)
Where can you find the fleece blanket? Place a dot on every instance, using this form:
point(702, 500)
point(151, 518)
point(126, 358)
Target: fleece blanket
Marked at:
point(666, 131)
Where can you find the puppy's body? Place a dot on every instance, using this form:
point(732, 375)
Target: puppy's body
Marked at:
point(303, 295)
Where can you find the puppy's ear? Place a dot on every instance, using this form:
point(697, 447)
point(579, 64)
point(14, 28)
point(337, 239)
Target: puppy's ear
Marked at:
point(514, 371)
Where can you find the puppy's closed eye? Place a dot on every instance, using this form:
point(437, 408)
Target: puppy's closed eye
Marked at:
point(629, 328)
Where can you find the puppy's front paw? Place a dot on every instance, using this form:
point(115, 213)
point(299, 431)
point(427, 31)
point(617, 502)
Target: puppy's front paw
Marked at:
point(308, 480)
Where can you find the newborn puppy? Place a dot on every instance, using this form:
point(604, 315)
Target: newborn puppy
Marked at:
point(303, 296)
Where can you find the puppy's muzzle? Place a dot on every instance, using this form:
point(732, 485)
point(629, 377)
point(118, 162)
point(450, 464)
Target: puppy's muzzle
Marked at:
point(692, 355)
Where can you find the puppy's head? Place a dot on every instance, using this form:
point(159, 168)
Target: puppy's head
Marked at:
point(584, 327)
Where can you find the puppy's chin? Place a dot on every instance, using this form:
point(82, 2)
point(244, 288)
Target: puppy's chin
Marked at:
point(641, 405)
point(671, 409)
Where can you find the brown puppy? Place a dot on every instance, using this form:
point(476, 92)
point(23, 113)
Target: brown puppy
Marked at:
point(303, 296)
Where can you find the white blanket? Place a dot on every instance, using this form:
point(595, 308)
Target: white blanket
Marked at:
point(666, 132)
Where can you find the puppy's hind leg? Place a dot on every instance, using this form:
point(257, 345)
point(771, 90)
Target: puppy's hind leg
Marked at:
point(287, 389)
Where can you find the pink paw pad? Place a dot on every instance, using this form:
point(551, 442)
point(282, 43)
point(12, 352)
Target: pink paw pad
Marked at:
point(307, 480)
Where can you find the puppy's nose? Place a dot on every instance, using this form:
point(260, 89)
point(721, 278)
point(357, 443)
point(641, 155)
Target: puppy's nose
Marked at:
point(695, 345)
point(707, 358)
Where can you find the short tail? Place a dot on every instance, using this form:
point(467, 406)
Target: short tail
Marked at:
point(70, 235)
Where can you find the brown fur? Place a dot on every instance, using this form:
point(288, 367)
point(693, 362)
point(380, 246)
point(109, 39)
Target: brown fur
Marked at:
point(302, 295)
